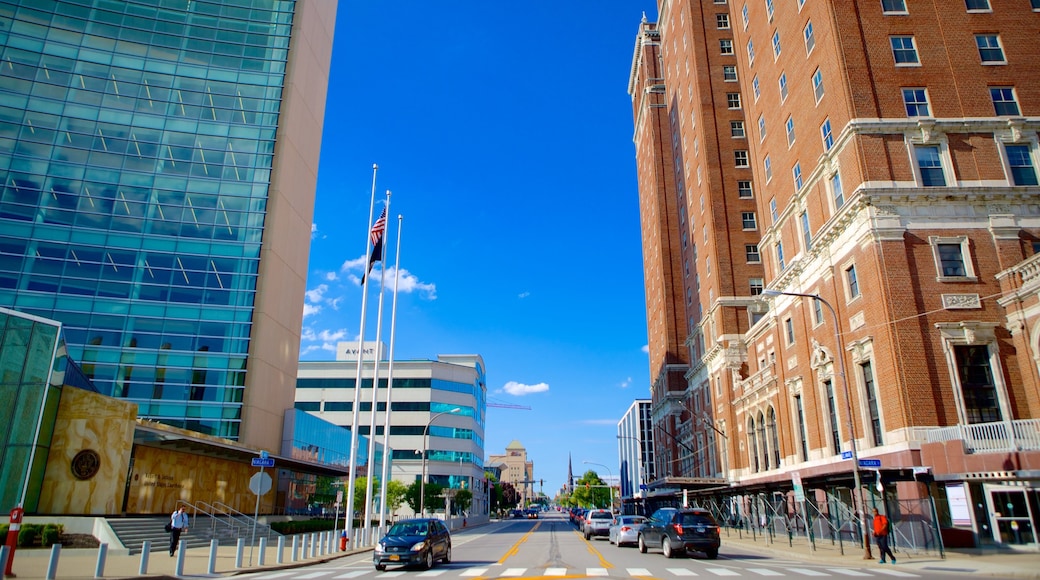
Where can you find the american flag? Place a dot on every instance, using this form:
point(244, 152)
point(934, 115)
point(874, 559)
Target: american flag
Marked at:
point(378, 228)
point(376, 235)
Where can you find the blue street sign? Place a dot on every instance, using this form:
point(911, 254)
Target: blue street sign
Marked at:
point(263, 462)
point(846, 455)
point(870, 463)
point(644, 486)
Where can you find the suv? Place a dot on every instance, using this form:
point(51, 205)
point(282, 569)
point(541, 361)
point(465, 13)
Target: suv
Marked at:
point(597, 523)
point(677, 531)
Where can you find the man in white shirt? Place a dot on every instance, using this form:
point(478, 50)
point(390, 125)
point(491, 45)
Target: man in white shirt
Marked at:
point(178, 523)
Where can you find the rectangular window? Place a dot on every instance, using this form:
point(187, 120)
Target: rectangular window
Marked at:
point(751, 253)
point(781, 264)
point(817, 310)
point(832, 414)
point(772, 210)
point(733, 100)
point(951, 260)
point(904, 51)
point(761, 128)
point(783, 87)
point(978, 390)
point(740, 159)
point(789, 127)
point(825, 134)
point(930, 164)
point(756, 285)
point(817, 84)
point(736, 129)
point(801, 428)
point(755, 88)
point(1021, 164)
point(1004, 103)
point(977, 5)
point(729, 73)
point(722, 21)
point(744, 190)
point(748, 221)
point(810, 37)
point(769, 9)
point(744, 16)
point(867, 372)
point(797, 173)
point(750, 52)
point(726, 46)
point(776, 44)
point(852, 282)
point(893, 6)
point(837, 191)
point(767, 164)
point(916, 102)
point(989, 48)
point(789, 330)
point(806, 230)
point(1035, 4)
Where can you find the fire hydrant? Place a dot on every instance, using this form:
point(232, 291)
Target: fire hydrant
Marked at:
point(343, 541)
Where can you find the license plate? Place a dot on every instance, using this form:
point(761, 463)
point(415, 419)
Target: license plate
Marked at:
point(394, 557)
point(700, 530)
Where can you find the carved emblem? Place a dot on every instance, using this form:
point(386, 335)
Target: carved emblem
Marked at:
point(86, 464)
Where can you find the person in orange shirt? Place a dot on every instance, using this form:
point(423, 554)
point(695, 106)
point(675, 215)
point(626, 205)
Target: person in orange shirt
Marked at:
point(881, 537)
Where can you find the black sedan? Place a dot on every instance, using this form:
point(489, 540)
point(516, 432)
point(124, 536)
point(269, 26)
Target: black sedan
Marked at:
point(413, 542)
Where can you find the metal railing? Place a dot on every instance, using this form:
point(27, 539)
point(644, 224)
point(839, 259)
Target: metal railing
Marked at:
point(1002, 437)
point(225, 521)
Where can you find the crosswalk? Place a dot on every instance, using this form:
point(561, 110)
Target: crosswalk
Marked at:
point(494, 571)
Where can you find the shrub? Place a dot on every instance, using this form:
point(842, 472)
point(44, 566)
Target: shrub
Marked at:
point(302, 526)
point(50, 535)
point(28, 535)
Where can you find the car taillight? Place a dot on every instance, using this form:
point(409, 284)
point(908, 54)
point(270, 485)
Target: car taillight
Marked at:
point(626, 529)
point(678, 529)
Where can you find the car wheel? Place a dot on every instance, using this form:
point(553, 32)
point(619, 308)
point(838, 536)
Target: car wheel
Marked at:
point(428, 560)
point(666, 548)
point(641, 544)
point(447, 555)
point(380, 567)
point(712, 554)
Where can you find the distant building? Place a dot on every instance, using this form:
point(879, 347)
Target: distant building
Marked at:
point(518, 471)
point(635, 450)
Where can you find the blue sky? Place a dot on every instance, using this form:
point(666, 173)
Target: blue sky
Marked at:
point(505, 136)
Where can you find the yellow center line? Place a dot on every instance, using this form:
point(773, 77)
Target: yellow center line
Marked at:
point(592, 550)
point(516, 547)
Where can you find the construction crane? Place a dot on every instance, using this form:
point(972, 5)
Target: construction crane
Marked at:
point(509, 406)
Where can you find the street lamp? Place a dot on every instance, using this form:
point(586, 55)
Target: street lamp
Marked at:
point(422, 484)
point(609, 485)
point(848, 409)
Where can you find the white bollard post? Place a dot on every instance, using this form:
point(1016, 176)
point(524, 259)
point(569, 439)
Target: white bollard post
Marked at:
point(146, 548)
point(314, 545)
point(52, 565)
point(279, 557)
point(178, 567)
point(5, 552)
point(263, 548)
point(214, 545)
point(240, 547)
point(295, 545)
point(99, 569)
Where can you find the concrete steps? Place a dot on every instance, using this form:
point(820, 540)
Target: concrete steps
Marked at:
point(132, 532)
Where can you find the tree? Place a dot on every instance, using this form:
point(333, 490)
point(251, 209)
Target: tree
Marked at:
point(463, 498)
point(590, 491)
point(396, 493)
point(434, 501)
point(510, 496)
point(360, 485)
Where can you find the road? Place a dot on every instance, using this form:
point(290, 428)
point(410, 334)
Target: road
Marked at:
point(551, 548)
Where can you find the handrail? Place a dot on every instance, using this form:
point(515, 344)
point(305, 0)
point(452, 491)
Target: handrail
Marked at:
point(249, 520)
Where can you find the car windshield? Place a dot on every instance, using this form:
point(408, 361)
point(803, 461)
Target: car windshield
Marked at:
point(601, 516)
point(408, 529)
point(634, 520)
point(697, 520)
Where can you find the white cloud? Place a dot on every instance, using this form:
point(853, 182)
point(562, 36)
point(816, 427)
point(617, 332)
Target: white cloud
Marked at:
point(332, 335)
point(599, 422)
point(318, 293)
point(520, 389)
point(523, 295)
point(646, 349)
point(331, 276)
point(626, 383)
point(314, 230)
point(310, 309)
point(408, 284)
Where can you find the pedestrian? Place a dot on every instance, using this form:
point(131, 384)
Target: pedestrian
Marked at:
point(178, 523)
point(881, 536)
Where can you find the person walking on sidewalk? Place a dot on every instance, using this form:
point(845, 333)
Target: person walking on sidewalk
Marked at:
point(881, 536)
point(178, 523)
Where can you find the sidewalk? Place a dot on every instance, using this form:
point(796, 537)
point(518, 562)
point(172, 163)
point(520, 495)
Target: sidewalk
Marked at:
point(81, 564)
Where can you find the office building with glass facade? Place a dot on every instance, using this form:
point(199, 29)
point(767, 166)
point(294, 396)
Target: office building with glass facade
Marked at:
point(158, 165)
point(635, 450)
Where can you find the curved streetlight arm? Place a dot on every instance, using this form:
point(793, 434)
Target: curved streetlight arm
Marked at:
point(422, 480)
point(848, 410)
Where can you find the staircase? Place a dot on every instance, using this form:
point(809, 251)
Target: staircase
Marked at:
point(202, 528)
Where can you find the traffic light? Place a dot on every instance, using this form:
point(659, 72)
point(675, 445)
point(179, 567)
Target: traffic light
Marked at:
point(586, 485)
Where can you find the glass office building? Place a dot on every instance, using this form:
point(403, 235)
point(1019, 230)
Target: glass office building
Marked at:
point(146, 150)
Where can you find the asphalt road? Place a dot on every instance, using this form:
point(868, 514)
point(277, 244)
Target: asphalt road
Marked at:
point(551, 548)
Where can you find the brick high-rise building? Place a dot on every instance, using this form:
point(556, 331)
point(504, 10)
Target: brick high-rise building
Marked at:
point(870, 165)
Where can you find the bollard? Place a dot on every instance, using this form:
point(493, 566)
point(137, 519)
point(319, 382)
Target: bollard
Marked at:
point(279, 558)
point(295, 546)
point(263, 548)
point(99, 569)
point(4, 552)
point(52, 565)
point(240, 547)
point(146, 547)
point(178, 567)
point(314, 545)
point(214, 545)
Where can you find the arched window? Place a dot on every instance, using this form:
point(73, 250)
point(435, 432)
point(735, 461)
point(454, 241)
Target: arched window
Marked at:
point(774, 436)
point(763, 448)
point(753, 446)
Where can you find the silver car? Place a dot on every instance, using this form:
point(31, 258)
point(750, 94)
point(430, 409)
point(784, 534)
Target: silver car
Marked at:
point(625, 530)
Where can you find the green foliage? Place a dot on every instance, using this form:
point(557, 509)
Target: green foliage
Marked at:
point(28, 535)
point(587, 494)
point(302, 526)
point(50, 535)
point(463, 499)
point(433, 500)
point(396, 494)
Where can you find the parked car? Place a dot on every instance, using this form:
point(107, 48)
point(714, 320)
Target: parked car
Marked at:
point(413, 542)
point(625, 530)
point(532, 513)
point(597, 523)
point(677, 531)
point(516, 514)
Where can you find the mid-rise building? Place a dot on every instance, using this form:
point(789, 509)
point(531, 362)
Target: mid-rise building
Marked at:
point(853, 206)
point(158, 165)
point(635, 450)
point(518, 470)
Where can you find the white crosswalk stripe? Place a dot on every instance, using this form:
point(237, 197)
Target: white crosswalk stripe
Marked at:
point(432, 573)
point(723, 572)
point(317, 574)
point(848, 572)
point(513, 572)
point(682, 572)
point(275, 575)
point(555, 571)
point(351, 574)
point(474, 572)
point(808, 572)
point(899, 573)
point(638, 572)
point(596, 572)
point(392, 574)
point(765, 572)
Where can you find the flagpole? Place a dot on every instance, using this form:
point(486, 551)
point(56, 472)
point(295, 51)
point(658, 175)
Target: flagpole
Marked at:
point(390, 378)
point(348, 525)
point(367, 526)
